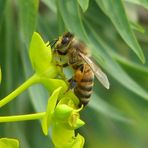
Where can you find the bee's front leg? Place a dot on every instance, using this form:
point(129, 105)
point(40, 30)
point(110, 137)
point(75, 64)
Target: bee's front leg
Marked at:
point(62, 65)
point(60, 69)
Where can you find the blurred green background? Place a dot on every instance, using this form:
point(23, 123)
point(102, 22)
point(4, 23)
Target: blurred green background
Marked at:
point(117, 33)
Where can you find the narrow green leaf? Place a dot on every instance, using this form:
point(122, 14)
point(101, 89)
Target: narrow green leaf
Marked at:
point(61, 25)
point(27, 18)
point(11, 50)
point(112, 67)
point(143, 3)
point(71, 17)
point(120, 75)
point(84, 4)
point(115, 11)
point(133, 66)
point(105, 108)
point(2, 8)
point(50, 4)
point(137, 27)
point(9, 143)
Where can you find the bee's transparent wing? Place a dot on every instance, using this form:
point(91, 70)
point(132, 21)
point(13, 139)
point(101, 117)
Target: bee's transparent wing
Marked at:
point(101, 76)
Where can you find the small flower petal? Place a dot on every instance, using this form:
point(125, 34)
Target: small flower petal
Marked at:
point(46, 121)
point(9, 143)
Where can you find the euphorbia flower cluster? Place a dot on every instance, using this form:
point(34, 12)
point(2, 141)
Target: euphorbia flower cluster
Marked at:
point(62, 112)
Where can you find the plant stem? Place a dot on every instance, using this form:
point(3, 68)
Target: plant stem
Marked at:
point(33, 79)
point(22, 117)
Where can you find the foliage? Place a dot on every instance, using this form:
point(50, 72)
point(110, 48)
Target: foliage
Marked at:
point(115, 117)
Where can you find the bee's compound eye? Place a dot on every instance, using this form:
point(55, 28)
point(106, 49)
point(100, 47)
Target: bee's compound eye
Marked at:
point(65, 40)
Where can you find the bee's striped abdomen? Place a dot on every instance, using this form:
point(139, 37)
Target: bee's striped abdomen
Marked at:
point(83, 89)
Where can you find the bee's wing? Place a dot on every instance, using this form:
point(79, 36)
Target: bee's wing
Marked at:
point(101, 76)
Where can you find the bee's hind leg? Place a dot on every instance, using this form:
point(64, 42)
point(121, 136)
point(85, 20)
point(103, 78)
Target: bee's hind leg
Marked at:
point(76, 78)
point(72, 83)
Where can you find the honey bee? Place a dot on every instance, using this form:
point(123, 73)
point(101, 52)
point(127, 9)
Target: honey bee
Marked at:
point(78, 57)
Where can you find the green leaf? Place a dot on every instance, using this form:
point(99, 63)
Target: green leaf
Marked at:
point(143, 3)
point(84, 4)
point(50, 4)
point(11, 48)
point(111, 66)
point(143, 70)
point(137, 27)
point(120, 75)
point(61, 25)
point(40, 56)
point(2, 8)
point(101, 106)
point(27, 18)
point(71, 17)
point(52, 101)
point(115, 11)
point(9, 143)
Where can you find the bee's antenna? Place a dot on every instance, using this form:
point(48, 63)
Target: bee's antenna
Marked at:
point(53, 42)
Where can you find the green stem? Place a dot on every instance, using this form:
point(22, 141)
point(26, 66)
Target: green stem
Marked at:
point(33, 79)
point(22, 117)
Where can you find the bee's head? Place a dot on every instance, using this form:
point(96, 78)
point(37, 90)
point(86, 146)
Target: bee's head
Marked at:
point(64, 41)
point(67, 38)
